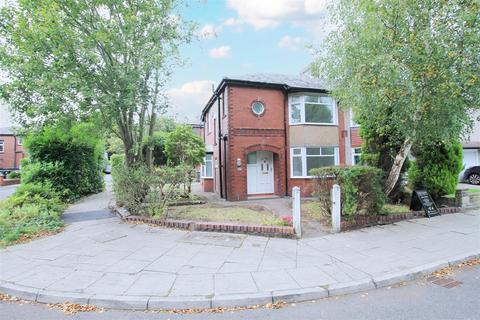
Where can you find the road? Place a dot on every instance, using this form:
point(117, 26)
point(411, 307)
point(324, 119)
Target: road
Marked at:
point(420, 299)
point(6, 191)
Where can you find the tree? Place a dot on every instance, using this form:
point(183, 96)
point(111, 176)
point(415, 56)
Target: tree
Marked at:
point(89, 58)
point(437, 167)
point(184, 147)
point(414, 61)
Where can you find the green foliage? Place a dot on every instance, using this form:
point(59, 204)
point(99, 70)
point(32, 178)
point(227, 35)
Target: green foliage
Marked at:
point(70, 159)
point(183, 146)
point(437, 167)
point(409, 69)
point(360, 187)
point(145, 191)
point(14, 175)
point(83, 59)
point(157, 144)
point(33, 208)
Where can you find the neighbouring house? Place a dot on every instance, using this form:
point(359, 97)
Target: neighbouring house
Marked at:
point(11, 149)
point(471, 145)
point(265, 132)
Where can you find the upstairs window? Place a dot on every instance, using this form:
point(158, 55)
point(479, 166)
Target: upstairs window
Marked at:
point(2, 146)
point(313, 109)
point(356, 156)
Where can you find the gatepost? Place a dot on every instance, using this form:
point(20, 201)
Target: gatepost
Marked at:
point(297, 222)
point(336, 208)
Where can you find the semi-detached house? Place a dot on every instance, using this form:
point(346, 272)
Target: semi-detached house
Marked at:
point(265, 132)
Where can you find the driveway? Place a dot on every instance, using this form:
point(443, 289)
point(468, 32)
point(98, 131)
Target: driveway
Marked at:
point(102, 261)
point(6, 191)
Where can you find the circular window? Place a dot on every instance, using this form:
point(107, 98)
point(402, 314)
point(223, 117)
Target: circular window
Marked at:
point(258, 108)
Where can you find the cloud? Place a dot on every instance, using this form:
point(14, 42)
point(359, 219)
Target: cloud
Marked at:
point(292, 43)
point(188, 100)
point(209, 31)
point(220, 52)
point(270, 13)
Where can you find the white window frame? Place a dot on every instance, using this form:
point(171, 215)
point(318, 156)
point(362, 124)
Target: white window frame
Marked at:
point(2, 146)
point(354, 153)
point(302, 102)
point(303, 155)
point(20, 141)
point(204, 166)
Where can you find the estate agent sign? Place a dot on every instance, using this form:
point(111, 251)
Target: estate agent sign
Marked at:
point(422, 199)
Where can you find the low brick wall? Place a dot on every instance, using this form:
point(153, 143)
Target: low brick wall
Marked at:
point(368, 221)
point(270, 231)
point(8, 182)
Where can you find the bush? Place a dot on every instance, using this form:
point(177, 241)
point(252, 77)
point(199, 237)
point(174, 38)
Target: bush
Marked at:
point(145, 191)
point(157, 144)
point(14, 175)
point(33, 208)
point(70, 159)
point(361, 189)
point(436, 168)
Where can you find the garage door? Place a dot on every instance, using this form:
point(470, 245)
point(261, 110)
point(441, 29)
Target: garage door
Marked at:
point(470, 158)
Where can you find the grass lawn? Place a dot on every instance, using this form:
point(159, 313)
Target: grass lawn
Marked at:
point(472, 190)
point(312, 210)
point(237, 214)
point(395, 208)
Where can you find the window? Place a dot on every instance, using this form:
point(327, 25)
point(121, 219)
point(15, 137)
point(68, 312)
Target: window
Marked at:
point(225, 102)
point(258, 108)
point(304, 159)
point(356, 153)
point(207, 168)
point(20, 141)
point(312, 109)
point(2, 146)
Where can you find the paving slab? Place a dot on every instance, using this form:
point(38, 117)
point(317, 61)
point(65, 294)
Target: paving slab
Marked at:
point(102, 261)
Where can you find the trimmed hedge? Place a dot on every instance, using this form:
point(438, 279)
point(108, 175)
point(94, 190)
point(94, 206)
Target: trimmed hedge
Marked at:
point(70, 159)
point(361, 189)
point(436, 168)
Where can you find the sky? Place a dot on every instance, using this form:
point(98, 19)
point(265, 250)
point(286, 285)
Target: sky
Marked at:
point(238, 37)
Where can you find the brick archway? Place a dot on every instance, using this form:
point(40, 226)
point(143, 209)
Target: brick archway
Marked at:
point(263, 147)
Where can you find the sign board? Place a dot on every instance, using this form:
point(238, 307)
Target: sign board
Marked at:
point(421, 199)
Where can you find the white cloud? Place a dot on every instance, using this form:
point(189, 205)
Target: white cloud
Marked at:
point(209, 31)
point(292, 43)
point(270, 13)
point(188, 100)
point(220, 52)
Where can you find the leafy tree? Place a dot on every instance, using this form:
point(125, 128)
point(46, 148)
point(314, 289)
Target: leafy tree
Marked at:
point(184, 147)
point(156, 145)
point(84, 58)
point(414, 61)
point(437, 167)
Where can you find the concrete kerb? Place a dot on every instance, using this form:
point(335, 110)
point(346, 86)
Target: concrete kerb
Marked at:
point(241, 300)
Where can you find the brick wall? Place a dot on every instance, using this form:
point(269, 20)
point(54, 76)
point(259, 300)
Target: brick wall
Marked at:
point(356, 140)
point(13, 153)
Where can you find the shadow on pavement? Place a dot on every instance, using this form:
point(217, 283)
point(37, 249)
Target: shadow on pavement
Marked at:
point(72, 217)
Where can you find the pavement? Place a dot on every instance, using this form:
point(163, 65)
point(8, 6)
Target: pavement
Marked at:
point(7, 191)
point(102, 261)
point(419, 299)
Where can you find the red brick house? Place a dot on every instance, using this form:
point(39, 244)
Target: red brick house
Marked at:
point(264, 133)
point(11, 149)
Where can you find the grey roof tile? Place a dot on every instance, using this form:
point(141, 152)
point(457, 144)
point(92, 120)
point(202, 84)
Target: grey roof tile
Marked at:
point(294, 81)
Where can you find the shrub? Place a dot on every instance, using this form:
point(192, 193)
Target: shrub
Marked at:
point(157, 144)
point(361, 189)
point(183, 146)
point(436, 168)
point(14, 175)
point(71, 159)
point(33, 208)
point(145, 191)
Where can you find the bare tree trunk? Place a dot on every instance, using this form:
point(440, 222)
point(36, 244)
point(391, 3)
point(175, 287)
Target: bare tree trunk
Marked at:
point(149, 156)
point(396, 169)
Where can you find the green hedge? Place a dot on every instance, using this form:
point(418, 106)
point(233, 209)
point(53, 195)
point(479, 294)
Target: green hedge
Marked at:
point(361, 189)
point(436, 168)
point(70, 159)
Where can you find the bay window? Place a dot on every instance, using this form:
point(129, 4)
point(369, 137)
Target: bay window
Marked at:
point(304, 159)
point(312, 109)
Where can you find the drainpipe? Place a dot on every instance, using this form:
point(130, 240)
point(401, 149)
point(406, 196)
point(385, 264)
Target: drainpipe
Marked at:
point(285, 114)
point(220, 175)
point(225, 171)
point(14, 152)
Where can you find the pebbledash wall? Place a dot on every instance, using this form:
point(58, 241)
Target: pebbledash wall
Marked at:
point(232, 131)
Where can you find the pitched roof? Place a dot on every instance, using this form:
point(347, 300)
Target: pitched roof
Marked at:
point(293, 83)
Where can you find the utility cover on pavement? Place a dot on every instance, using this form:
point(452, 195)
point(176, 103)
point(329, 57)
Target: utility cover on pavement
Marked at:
point(216, 239)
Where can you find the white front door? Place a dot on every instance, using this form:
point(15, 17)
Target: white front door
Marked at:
point(260, 172)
